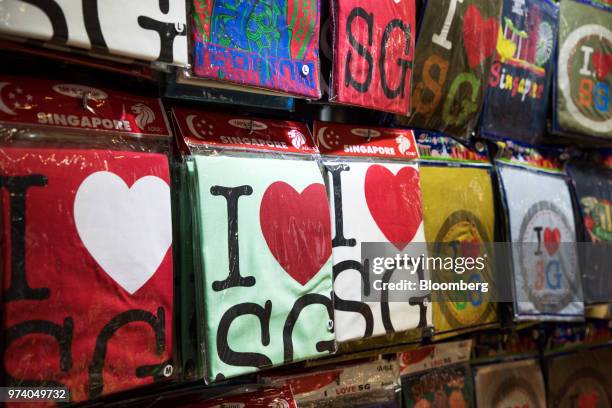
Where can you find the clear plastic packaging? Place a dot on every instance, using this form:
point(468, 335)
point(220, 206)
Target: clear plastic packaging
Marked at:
point(510, 384)
point(138, 29)
point(437, 375)
point(86, 241)
point(518, 89)
point(262, 290)
point(454, 52)
point(580, 379)
point(368, 385)
point(451, 169)
point(271, 45)
point(582, 72)
point(542, 231)
point(373, 52)
point(593, 188)
point(373, 179)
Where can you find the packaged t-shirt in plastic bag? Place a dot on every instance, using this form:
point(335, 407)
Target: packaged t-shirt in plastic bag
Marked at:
point(461, 227)
point(374, 384)
point(86, 239)
point(517, 94)
point(454, 52)
point(261, 236)
point(376, 198)
point(542, 234)
point(510, 384)
point(593, 187)
point(271, 45)
point(437, 375)
point(583, 74)
point(581, 379)
point(136, 29)
point(373, 54)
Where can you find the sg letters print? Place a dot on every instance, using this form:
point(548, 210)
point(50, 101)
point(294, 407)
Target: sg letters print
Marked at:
point(373, 202)
point(584, 77)
point(140, 29)
point(88, 293)
point(272, 44)
point(454, 52)
point(516, 101)
point(272, 276)
point(547, 282)
point(374, 52)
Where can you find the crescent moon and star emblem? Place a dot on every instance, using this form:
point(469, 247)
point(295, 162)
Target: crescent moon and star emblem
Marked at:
point(199, 127)
point(16, 99)
point(329, 140)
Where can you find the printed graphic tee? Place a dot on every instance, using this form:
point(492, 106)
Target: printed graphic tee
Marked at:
point(374, 202)
point(593, 187)
point(373, 56)
point(584, 77)
point(88, 288)
point(264, 260)
point(455, 50)
point(543, 234)
point(581, 379)
point(272, 44)
point(514, 384)
point(468, 219)
point(518, 86)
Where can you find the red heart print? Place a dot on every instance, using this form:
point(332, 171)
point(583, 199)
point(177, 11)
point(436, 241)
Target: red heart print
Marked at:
point(552, 238)
point(602, 63)
point(479, 35)
point(297, 228)
point(394, 202)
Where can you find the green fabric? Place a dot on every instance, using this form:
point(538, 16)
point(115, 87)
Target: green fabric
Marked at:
point(272, 282)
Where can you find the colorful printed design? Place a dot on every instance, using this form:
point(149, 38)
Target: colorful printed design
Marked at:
point(265, 398)
point(440, 387)
point(469, 220)
point(372, 64)
point(584, 74)
point(515, 384)
point(517, 94)
point(454, 53)
point(373, 202)
point(88, 293)
point(140, 29)
point(544, 255)
point(593, 187)
point(272, 277)
point(269, 44)
point(581, 379)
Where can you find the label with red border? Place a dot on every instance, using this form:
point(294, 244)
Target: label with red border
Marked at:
point(547, 159)
point(365, 141)
point(434, 146)
point(211, 129)
point(435, 356)
point(66, 105)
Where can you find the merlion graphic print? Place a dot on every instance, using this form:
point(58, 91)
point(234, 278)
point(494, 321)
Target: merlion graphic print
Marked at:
point(264, 43)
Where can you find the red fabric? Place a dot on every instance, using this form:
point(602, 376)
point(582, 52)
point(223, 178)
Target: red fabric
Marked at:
point(56, 258)
point(398, 18)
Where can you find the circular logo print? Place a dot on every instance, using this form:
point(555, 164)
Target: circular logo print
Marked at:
point(548, 261)
point(585, 76)
point(463, 234)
